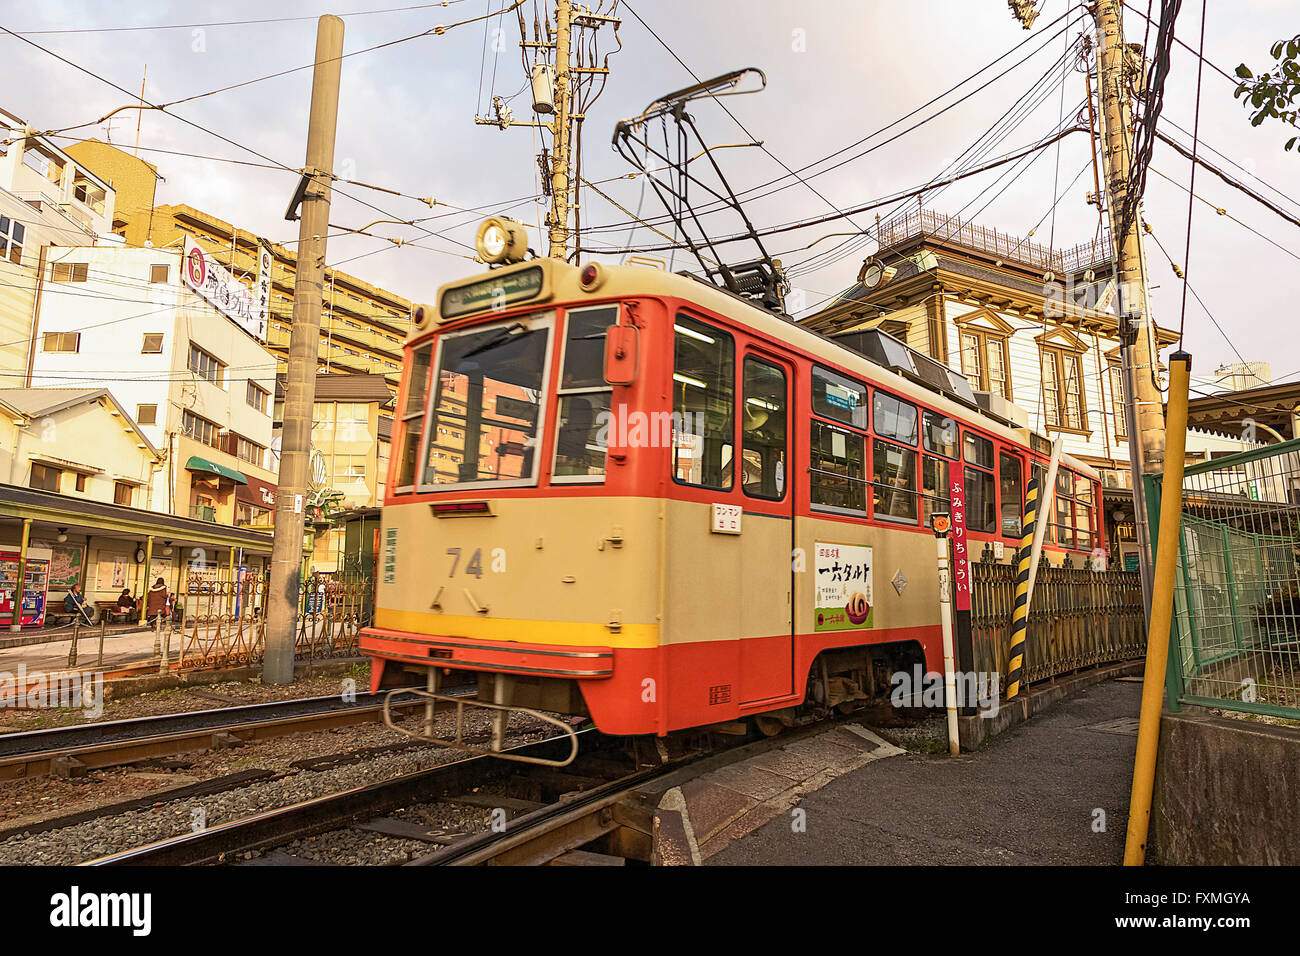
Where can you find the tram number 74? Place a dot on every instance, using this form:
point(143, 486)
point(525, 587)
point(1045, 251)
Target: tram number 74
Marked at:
point(475, 566)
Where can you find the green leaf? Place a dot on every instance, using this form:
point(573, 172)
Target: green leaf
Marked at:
point(1276, 50)
point(1291, 142)
point(1243, 71)
point(1257, 119)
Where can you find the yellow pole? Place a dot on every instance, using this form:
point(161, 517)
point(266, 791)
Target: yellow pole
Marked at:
point(148, 563)
point(1162, 607)
point(16, 623)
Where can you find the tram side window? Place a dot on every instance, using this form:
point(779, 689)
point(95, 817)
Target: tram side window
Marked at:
point(1039, 472)
point(893, 480)
point(838, 398)
point(981, 489)
point(704, 373)
point(939, 434)
point(763, 422)
point(894, 419)
point(838, 475)
point(935, 496)
point(584, 405)
point(1010, 479)
point(417, 393)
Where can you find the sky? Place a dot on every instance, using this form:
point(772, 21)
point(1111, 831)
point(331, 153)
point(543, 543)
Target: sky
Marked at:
point(837, 71)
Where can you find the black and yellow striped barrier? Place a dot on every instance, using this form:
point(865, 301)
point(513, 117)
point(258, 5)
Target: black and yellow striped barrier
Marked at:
point(1020, 612)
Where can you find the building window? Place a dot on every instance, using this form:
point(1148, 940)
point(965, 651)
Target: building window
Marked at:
point(1117, 401)
point(82, 480)
point(205, 365)
point(1063, 388)
point(12, 234)
point(349, 469)
point(985, 360)
point(158, 273)
point(200, 429)
point(69, 272)
point(152, 345)
point(249, 451)
point(122, 493)
point(146, 414)
point(44, 477)
point(257, 397)
point(61, 342)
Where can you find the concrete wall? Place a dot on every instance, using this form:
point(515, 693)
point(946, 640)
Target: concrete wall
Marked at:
point(1227, 793)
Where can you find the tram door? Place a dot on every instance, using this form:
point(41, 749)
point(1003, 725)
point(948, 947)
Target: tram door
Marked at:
point(766, 487)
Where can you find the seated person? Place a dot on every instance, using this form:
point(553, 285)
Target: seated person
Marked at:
point(125, 603)
point(76, 605)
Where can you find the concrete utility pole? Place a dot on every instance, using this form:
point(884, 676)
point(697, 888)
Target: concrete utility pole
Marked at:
point(1143, 405)
point(304, 351)
point(559, 217)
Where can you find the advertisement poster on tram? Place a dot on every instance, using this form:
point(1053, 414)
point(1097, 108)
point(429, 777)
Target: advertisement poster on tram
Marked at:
point(842, 587)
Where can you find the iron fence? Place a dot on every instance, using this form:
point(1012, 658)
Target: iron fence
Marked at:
point(220, 622)
point(1235, 637)
point(1078, 618)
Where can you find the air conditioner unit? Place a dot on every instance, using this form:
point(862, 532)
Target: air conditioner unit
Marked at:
point(1000, 408)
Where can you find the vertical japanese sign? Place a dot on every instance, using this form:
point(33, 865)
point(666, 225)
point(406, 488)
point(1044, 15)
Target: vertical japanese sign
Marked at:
point(960, 550)
point(265, 263)
point(842, 590)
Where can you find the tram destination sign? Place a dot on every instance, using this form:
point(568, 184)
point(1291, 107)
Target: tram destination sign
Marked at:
point(494, 292)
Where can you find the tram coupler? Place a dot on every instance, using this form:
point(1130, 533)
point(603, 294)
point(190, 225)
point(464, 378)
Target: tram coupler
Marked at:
point(500, 713)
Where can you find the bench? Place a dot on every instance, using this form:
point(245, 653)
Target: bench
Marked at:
point(108, 612)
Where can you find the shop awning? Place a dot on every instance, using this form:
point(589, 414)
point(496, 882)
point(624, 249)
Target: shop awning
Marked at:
point(202, 464)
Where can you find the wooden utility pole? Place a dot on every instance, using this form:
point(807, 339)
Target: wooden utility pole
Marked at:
point(558, 220)
point(1143, 404)
point(304, 351)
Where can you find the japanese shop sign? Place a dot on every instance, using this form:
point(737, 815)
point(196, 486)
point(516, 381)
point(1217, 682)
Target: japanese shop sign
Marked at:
point(222, 290)
point(842, 587)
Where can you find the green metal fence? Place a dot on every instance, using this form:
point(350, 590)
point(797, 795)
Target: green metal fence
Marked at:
point(1235, 641)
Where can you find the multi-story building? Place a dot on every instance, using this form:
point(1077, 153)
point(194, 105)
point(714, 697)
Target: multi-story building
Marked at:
point(1031, 328)
point(350, 450)
point(47, 199)
point(194, 376)
point(363, 326)
point(76, 441)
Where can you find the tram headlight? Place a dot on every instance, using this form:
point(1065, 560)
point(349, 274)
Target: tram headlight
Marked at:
point(501, 240)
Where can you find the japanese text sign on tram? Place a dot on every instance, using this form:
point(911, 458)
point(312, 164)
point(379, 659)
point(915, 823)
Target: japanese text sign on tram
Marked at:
point(960, 548)
point(842, 588)
point(492, 292)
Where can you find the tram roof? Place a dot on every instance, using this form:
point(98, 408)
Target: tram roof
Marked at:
point(560, 284)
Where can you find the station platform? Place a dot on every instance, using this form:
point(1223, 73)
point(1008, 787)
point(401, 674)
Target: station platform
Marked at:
point(1053, 790)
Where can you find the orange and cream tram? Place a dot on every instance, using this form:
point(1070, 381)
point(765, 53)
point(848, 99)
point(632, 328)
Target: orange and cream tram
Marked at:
point(632, 495)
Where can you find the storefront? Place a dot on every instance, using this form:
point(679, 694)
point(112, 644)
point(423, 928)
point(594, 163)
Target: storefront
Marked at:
point(110, 548)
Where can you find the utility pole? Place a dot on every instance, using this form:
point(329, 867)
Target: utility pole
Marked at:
point(313, 196)
point(1143, 404)
point(563, 101)
point(559, 216)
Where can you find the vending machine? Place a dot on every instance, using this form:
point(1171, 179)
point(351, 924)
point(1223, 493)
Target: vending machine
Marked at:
point(32, 612)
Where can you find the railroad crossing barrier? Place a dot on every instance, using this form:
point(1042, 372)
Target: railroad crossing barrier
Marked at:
point(1079, 618)
point(1235, 637)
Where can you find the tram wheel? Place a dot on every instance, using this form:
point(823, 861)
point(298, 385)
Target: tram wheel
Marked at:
point(768, 726)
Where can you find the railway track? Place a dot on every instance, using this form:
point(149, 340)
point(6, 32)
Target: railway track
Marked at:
point(598, 810)
point(74, 750)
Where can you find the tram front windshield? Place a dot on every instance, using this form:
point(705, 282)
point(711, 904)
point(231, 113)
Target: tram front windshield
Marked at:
point(486, 413)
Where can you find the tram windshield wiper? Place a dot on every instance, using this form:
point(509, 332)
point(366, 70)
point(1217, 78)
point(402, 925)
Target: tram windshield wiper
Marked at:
point(506, 335)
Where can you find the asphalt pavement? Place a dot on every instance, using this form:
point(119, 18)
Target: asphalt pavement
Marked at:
point(1053, 790)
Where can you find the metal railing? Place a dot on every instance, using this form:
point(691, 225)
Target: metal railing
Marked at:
point(951, 229)
point(219, 622)
point(1078, 618)
point(1235, 637)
